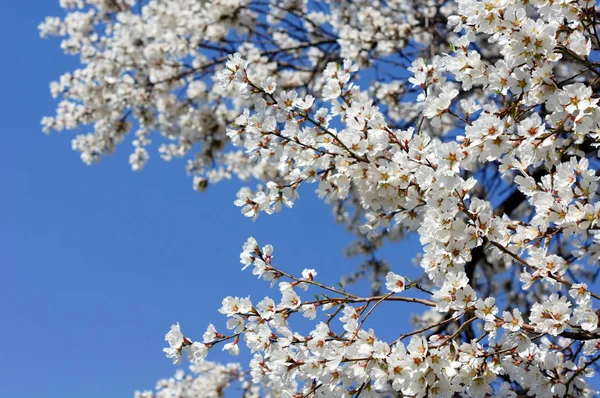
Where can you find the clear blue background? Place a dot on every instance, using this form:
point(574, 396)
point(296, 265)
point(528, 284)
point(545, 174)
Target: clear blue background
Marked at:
point(97, 262)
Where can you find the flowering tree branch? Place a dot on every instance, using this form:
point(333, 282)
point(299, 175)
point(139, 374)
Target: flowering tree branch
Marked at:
point(472, 124)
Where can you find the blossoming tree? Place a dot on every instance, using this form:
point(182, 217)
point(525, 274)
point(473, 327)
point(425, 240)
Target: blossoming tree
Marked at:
point(474, 124)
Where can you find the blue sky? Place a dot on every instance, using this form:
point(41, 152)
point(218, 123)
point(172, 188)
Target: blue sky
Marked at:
point(98, 262)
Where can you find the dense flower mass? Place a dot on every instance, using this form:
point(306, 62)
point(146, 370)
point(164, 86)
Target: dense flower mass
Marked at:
point(473, 124)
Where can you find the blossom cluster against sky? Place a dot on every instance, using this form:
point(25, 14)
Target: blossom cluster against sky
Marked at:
point(97, 260)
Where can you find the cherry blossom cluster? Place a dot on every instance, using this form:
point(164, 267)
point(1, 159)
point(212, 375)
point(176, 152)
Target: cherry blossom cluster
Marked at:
point(205, 379)
point(341, 357)
point(149, 68)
